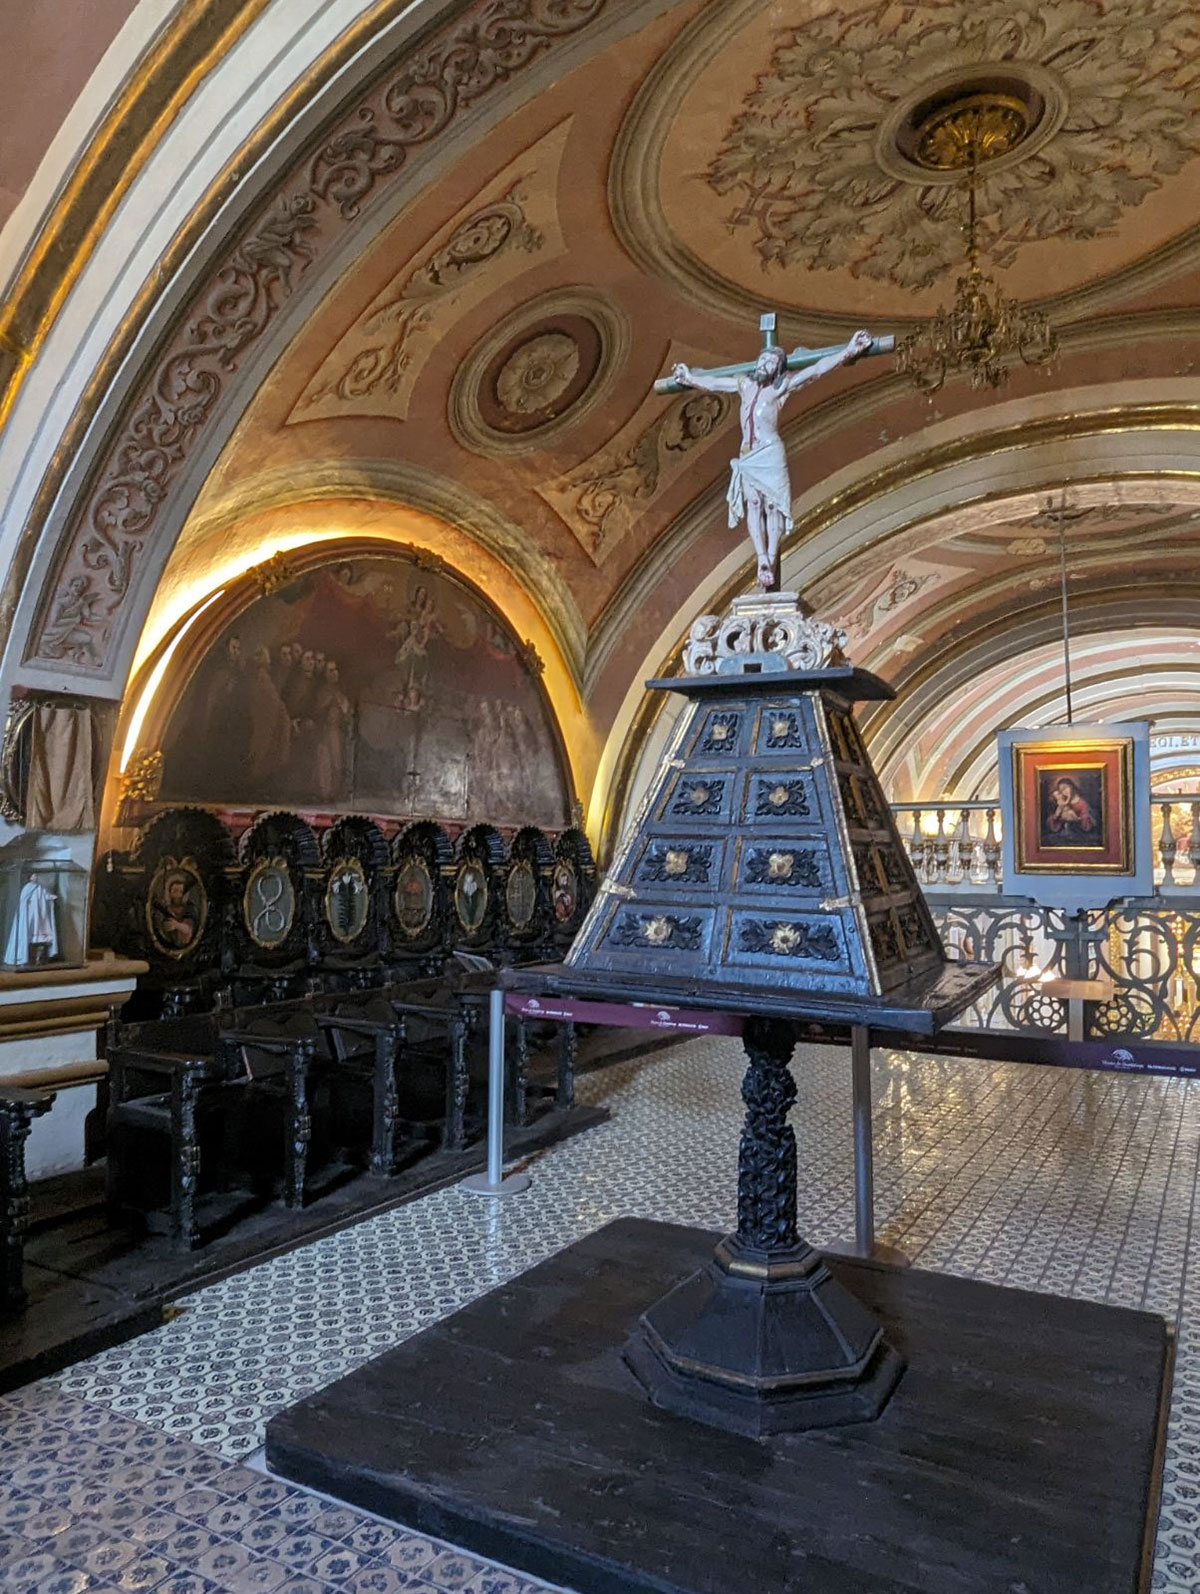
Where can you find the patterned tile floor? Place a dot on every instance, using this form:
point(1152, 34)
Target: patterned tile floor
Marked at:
point(136, 1470)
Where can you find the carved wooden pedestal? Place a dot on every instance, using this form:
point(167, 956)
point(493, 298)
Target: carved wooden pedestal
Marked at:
point(764, 1339)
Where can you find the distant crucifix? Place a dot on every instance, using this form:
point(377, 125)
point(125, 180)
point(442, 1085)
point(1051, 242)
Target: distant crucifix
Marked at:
point(759, 489)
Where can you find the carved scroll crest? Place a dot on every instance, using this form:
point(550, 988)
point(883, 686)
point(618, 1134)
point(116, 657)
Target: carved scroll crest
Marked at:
point(492, 230)
point(768, 627)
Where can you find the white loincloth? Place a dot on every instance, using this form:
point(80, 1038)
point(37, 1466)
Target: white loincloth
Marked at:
point(762, 471)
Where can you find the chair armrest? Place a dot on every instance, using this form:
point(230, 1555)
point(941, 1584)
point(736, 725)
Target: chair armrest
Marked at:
point(159, 1062)
point(277, 1045)
point(356, 1026)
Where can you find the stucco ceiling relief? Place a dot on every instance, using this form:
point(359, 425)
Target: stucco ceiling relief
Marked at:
point(485, 247)
point(811, 169)
point(604, 498)
point(883, 600)
point(541, 370)
point(175, 408)
point(781, 162)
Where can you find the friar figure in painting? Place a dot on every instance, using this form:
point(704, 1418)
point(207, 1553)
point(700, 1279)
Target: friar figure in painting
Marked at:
point(759, 489)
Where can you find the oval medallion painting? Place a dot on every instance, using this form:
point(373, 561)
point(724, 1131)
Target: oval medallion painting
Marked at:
point(521, 895)
point(471, 896)
point(176, 907)
point(346, 900)
point(564, 891)
point(269, 903)
point(414, 897)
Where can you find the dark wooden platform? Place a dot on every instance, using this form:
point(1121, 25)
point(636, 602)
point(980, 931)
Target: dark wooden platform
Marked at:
point(1019, 1455)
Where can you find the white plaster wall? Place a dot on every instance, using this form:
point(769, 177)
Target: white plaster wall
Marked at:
point(79, 124)
point(55, 1143)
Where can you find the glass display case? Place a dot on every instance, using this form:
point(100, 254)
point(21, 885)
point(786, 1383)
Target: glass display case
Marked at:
point(43, 913)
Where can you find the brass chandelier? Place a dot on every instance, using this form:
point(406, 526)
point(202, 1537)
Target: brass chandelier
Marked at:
point(982, 333)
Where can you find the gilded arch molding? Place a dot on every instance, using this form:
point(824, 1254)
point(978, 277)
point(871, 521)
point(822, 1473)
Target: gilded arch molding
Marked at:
point(408, 486)
point(117, 507)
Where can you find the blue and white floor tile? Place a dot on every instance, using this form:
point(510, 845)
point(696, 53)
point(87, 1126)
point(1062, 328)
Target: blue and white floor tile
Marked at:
point(128, 1472)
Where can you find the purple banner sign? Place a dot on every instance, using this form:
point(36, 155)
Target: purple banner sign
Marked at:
point(622, 1015)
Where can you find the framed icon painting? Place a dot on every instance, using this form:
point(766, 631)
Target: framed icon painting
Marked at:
point(1075, 806)
point(1072, 803)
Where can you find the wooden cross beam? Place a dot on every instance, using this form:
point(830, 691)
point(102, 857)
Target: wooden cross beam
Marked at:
point(796, 360)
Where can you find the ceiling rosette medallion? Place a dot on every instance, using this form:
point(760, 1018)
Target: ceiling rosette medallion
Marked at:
point(542, 370)
point(787, 161)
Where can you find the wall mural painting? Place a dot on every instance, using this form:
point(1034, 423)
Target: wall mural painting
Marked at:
point(368, 685)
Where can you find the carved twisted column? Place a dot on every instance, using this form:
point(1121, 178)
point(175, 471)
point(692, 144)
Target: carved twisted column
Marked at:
point(767, 1151)
point(764, 1338)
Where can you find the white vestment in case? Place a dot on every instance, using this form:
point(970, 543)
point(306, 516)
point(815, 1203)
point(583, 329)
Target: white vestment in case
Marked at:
point(764, 471)
point(33, 925)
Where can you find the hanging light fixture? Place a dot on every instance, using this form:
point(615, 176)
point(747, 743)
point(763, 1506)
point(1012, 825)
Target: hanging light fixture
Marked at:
point(982, 333)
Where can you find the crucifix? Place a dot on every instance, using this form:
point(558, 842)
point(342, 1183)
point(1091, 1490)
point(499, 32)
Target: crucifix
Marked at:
point(759, 489)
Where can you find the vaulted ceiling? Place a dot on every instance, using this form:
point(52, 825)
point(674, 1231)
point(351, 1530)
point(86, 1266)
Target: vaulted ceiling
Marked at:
point(485, 360)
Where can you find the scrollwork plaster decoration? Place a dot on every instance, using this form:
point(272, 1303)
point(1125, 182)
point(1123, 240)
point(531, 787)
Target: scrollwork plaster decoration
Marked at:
point(173, 408)
point(76, 628)
point(602, 499)
point(801, 166)
point(374, 362)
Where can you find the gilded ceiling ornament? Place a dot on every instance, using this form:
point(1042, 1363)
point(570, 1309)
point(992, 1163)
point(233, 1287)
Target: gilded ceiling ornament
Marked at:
point(807, 175)
point(537, 373)
point(272, 574)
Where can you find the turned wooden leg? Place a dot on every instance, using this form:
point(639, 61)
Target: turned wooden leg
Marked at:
point(299, 1131)
point(185, 1156)
point(454, 1135)
point(17, 1113)
point(383, 1138)
point(565, 1096)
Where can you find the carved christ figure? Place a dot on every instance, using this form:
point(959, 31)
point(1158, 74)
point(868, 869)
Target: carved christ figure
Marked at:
point(759, 489)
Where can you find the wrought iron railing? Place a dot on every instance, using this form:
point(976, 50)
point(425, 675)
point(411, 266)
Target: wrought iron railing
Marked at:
point(955, 846)
point(1148, 948)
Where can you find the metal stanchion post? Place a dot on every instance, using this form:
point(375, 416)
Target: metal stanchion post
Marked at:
point(493, 1181)
point(864, 1144)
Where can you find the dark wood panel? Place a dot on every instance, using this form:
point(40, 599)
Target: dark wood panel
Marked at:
point(1020, 1451)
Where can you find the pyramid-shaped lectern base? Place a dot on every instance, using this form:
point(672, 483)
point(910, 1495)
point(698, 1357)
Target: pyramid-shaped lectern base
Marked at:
point(764, 875)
